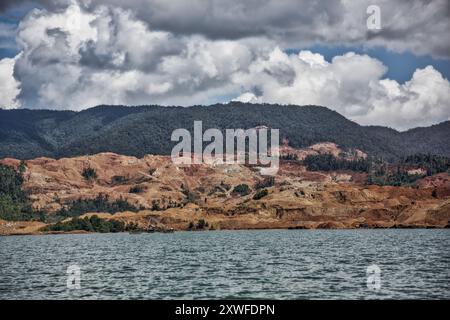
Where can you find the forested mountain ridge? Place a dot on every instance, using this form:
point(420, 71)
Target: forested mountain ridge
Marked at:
point(26, 134)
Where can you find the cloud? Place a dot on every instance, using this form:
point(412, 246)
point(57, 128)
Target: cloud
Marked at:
point(7, 30)
point(6, 4)
point(7, 36)
point(351, 84)
point(9, 86)
point(422, 101)
point(76, 59)
point(79, 57)
point(420, 26)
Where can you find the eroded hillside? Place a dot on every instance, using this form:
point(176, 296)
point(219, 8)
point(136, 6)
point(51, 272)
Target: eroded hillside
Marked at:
point(171, 196)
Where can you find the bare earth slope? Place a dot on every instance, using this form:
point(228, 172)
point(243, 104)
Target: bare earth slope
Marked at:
point(298, 199)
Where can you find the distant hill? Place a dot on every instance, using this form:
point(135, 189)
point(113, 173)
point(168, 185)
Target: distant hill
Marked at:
point(141, 130)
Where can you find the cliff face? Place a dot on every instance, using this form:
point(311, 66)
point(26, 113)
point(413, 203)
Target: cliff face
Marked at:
point(297, 199)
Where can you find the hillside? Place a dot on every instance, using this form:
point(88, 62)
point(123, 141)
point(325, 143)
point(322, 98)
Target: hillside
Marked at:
point(165, 196)
point(136, 131)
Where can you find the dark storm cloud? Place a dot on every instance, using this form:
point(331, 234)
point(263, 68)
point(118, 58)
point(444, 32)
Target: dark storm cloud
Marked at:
point(5, 4)
point(11, 4)
point(421, 26)
point(231, 19)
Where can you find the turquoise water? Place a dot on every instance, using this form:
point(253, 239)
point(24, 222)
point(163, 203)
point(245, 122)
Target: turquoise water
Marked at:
point(272, 264)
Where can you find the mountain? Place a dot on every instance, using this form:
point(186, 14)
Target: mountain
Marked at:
point(136, 131)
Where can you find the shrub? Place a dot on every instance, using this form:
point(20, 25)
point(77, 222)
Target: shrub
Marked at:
point(155, 205)
point(434, 193)
point(92, 224)
point(136, 189)
point(226, 186)
point(202, 224)
point(99, 204)
point(260, 194)
point(118, 179)
point(190, 197)
point(241, 189)
point(132, 226)
point(266, 183)
point(289, 156)
point(89, 174)
point(22, 167)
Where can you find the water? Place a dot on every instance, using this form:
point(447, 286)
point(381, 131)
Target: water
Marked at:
point(273, 264)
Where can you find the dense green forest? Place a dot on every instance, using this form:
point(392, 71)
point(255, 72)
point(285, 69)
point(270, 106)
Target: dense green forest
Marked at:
point(328, 162)
point(14, 202)
point(379, 171)
point(137, 131)
point(392, 178)
point(431, 163)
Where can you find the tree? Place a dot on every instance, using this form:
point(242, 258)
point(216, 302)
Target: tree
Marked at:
point(266, 183)
point(260, 194)
point(89, 174)
point(241, 189)
point(328, 162)
point(14, 202)
point(202, 224)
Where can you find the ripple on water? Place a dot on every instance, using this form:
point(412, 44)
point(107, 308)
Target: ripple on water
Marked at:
point(277, 264)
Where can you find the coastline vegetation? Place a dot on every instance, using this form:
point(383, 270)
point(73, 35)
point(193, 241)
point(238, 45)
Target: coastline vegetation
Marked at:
point(200, 225)
point(88, 224)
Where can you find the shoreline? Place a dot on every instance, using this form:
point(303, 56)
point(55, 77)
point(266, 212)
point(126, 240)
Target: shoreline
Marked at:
point(82, 232)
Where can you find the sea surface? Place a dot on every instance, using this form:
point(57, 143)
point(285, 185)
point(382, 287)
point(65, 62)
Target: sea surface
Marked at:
point(268, 264)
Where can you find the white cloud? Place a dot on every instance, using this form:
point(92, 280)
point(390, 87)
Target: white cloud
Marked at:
point(351, 84)
point(9, 86)
point(422, 101)
point(109, 57)
point(247, 97)
point(420, 26)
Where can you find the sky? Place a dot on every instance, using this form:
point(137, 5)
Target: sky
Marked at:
point(390, 69)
